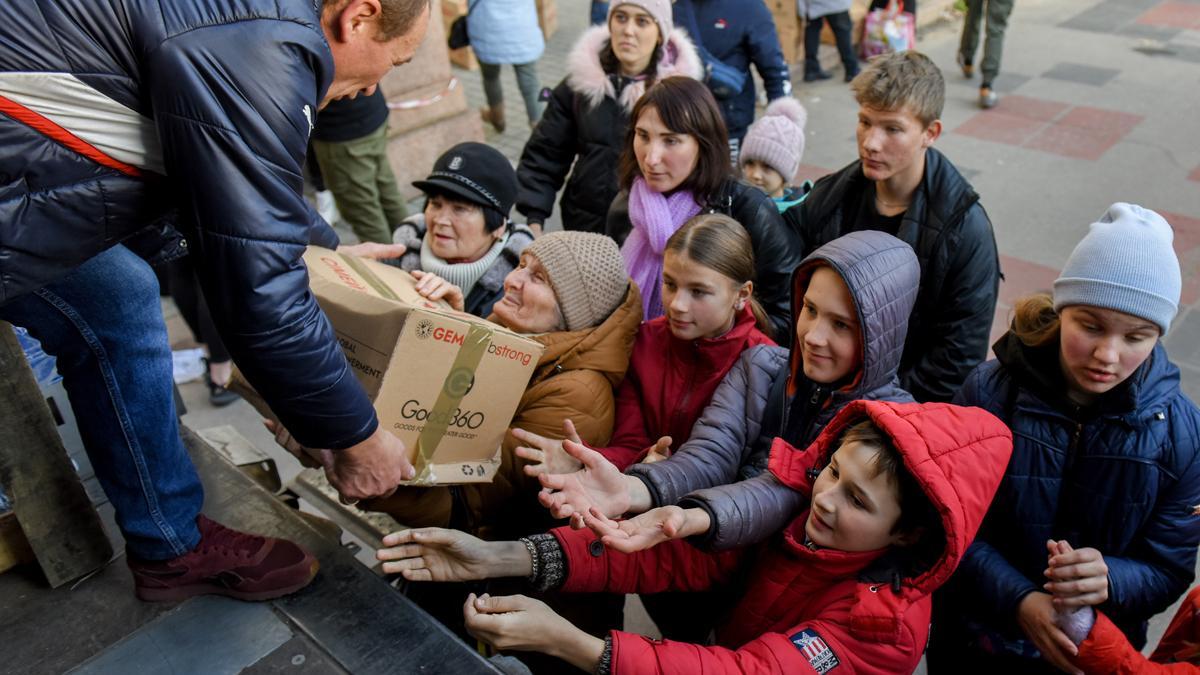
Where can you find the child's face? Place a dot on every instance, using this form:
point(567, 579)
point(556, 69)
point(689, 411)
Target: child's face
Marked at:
point(763, 177)
point(700, 301)
point(892, 142)
point(827, 331)
point(854, 505)
point(1100, 348)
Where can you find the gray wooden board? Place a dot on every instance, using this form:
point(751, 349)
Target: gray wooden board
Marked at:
point(349, 612)
point(50, 502)
point(211, 635)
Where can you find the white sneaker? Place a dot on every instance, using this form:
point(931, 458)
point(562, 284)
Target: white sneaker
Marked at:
point(327, 207)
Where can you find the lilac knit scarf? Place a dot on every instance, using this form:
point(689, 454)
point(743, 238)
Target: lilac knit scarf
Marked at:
point(654, 218)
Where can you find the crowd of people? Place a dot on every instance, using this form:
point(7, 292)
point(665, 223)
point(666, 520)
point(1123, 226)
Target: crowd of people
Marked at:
point(765, 407)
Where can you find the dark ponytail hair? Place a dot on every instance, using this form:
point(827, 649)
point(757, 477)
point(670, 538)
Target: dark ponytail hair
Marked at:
point(721, 244)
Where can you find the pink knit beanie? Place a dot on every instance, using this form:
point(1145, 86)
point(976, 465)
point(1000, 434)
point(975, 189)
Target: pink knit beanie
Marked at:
point(659, 9)
point(777, 138)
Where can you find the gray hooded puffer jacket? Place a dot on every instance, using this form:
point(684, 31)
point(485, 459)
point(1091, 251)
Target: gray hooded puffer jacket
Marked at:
point(729, 443)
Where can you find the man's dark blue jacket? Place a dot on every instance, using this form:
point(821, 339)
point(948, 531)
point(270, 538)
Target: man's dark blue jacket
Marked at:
point(119, 118)
point(740, 32)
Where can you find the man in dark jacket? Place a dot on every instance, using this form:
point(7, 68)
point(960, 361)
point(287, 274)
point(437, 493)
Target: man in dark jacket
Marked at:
point(902, 186)
point(737, 33)
point(123, 118)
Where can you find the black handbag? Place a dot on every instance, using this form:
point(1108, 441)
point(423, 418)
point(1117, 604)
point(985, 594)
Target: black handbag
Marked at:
point(458, 34)
point(458, 37)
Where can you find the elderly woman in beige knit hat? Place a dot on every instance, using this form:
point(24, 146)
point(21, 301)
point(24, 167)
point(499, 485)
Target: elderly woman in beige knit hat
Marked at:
point(571, 293)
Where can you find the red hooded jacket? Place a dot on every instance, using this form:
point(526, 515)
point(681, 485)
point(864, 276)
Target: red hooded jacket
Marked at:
point(807, 611)
point(669, 383)
point(1106, 649)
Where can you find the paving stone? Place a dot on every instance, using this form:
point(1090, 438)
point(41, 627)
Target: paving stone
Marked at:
point(1081, 73)
point(1006, 83)
point(1173, 13)
point(1149, 32)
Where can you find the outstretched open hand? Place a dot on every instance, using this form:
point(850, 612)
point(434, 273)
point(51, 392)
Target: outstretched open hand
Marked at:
point(547, 455)
point(436, 554)
point(599, 484)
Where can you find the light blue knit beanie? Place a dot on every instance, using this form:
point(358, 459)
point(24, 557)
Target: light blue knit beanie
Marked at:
point(1125, 263)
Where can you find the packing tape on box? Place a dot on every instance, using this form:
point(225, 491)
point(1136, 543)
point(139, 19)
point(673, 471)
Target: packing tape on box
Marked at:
point(458, 383)
point(369, 276)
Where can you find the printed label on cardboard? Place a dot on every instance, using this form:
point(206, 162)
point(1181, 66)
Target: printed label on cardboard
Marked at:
point(446, 383)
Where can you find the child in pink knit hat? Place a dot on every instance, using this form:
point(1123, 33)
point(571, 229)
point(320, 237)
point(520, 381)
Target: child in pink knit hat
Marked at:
point(771, 152)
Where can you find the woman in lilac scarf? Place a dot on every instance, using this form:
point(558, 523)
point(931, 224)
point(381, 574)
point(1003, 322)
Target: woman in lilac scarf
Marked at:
point(675, 165)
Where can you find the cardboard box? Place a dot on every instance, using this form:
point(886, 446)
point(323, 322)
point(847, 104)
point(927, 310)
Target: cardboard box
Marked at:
point(446, 383)
point(789, 27)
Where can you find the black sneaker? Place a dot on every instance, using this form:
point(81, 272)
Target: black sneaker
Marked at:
point(817, 75)
point(218, 396)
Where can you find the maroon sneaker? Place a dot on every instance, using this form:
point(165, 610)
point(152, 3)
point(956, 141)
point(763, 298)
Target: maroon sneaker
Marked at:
point(226, 562)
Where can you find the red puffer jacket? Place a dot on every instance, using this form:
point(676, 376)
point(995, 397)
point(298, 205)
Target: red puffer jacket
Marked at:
point(1106, 649)
point(669, 383)
point(806, 611)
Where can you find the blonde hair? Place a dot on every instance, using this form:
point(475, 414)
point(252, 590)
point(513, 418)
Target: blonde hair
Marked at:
point(893, 81)
point(1035, 323)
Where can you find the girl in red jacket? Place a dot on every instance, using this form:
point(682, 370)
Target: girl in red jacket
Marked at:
point(897, 493)
point(679, 358)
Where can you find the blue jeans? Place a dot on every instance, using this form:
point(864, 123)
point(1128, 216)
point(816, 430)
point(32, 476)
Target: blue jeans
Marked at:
point(104, 325)
point(599, 13)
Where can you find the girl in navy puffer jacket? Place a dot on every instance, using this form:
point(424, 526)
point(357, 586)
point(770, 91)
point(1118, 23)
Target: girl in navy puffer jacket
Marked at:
point(1105, 458)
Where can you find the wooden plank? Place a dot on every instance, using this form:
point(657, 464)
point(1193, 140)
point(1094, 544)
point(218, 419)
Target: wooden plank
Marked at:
point(360, 621)
point(48, 499)
point(14, 548)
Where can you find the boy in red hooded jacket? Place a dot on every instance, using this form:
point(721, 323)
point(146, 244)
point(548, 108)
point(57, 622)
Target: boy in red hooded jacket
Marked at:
point(895, 502)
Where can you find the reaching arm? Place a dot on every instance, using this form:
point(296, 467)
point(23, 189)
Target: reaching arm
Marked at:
point(1161, 564)
point(233, 146)
point(745, 512)
point(810, 647)
point(721, 439)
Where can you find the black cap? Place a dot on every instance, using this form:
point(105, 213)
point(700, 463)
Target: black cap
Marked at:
point(477, 172)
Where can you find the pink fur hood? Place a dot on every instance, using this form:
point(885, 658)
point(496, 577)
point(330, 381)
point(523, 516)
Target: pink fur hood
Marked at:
point(586, 77)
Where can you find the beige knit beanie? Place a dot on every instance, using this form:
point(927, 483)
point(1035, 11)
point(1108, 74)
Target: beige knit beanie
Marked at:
point(586, 272)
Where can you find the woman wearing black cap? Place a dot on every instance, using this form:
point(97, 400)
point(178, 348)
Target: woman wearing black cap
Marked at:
point(463, 234)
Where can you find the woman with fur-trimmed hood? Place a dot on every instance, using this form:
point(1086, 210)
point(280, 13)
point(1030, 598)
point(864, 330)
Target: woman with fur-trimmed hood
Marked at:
point(585, 122)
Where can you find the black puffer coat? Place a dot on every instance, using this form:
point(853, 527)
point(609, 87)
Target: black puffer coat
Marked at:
point(960, 270)
point(583, 130)
point(777, 249)
point(166, 116)
point(732, 439)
